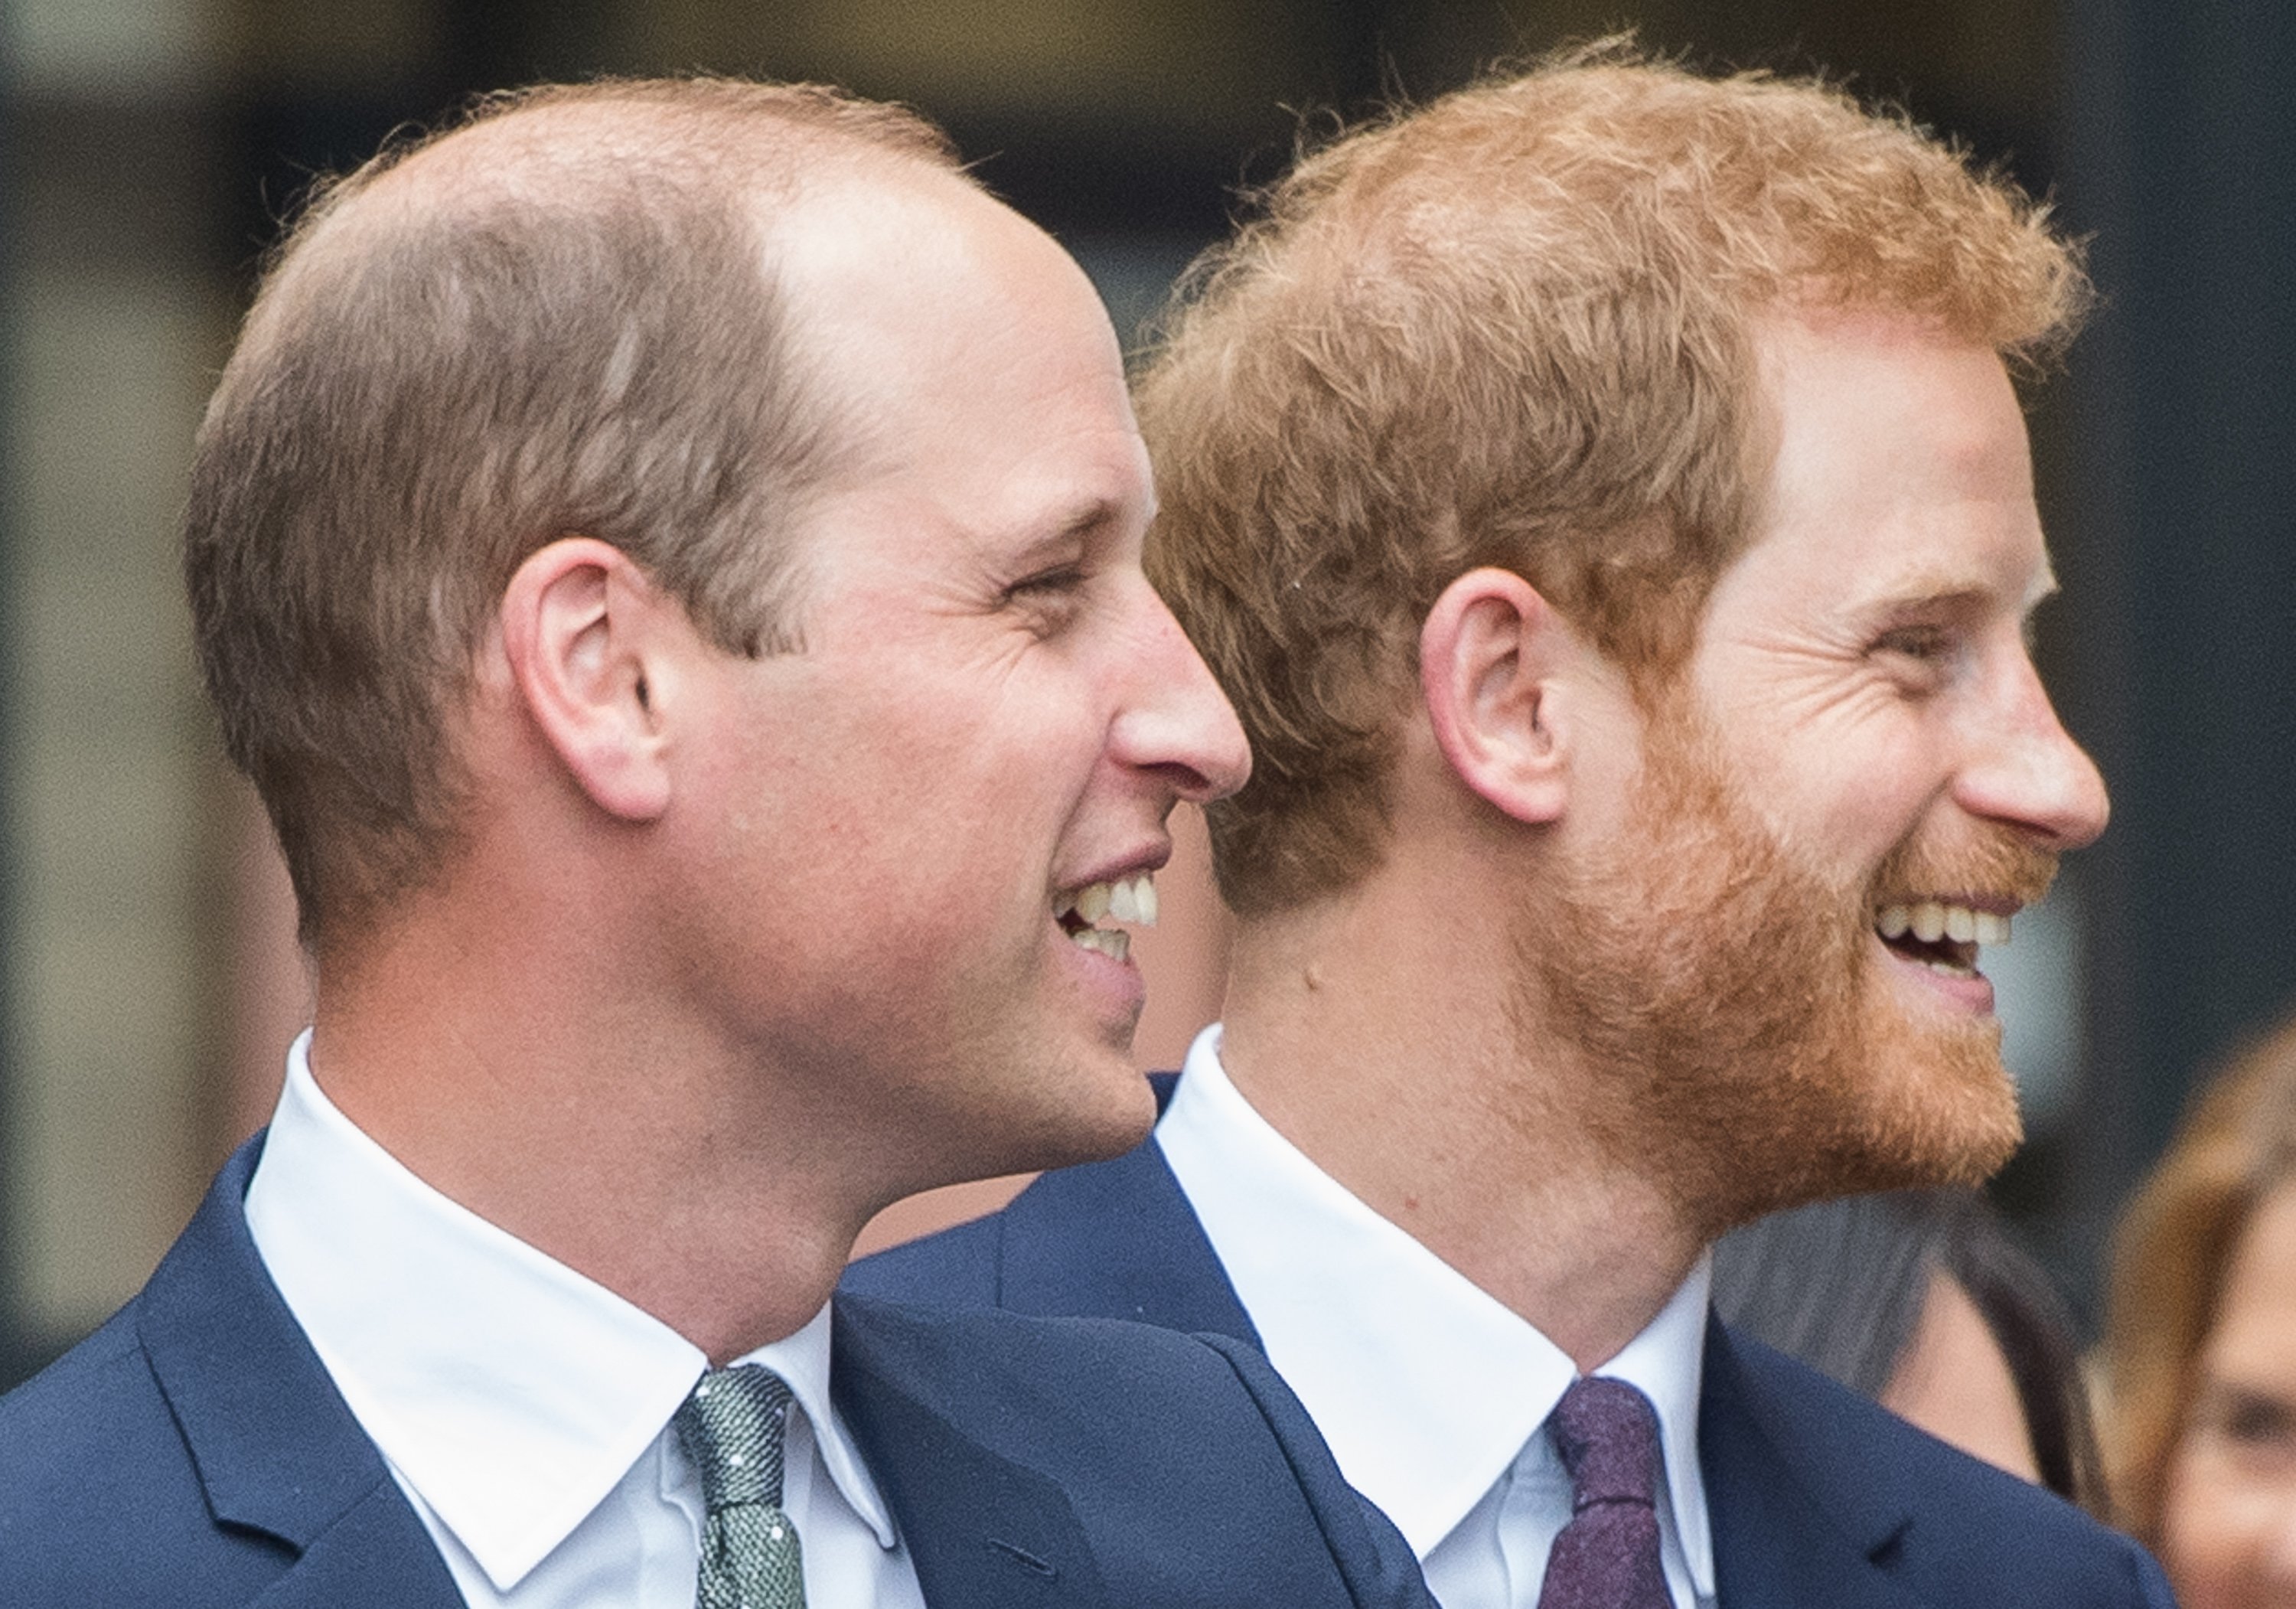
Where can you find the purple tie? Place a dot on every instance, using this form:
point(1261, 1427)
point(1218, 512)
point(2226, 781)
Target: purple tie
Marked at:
point(1607, 1556)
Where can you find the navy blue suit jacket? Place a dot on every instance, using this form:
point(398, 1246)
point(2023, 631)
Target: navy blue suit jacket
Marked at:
point(1819, 1499)
point(193, 1452)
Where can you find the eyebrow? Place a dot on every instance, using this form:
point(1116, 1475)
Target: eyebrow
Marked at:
point(1918, 592)
point(1071, 526)
point(1084, 516)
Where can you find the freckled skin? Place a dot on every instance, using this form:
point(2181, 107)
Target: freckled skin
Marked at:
point(2228, 1523)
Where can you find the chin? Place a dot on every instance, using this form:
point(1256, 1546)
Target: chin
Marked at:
point(1091, 1106)
point(1117, 1116)
point(1953, 1117)
point(1950, 1117)
point(1956, 1136)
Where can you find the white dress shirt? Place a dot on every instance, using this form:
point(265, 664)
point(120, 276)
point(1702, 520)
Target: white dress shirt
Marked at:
point(1433, 1396)
point(523, 1408)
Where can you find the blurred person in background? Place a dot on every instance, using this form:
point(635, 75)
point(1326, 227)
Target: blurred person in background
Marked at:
point(1919, 1299)
point(667, 555)
point(1604, 495)
point(2200, 1430)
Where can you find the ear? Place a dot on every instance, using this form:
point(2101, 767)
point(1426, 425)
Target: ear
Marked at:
point(1493, 656)
point(584, 632)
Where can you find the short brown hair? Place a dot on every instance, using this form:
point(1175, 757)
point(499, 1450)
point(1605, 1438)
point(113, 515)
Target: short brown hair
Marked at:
point(1514, 329)
point(579, 334)
point(2170, 1255)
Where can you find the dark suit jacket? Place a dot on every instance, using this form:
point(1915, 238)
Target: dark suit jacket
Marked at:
point(193, 1452)
point(1819, 1499)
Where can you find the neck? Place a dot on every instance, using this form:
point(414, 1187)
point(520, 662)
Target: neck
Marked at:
point(570, 1101)
point(1380, 1033)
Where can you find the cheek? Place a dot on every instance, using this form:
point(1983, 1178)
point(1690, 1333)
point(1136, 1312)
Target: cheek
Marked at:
point(1841, 792)
point(2218, 1528)
point(1878, 793)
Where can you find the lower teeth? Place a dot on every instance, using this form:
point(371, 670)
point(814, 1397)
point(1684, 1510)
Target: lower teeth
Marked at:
point(1112, 943)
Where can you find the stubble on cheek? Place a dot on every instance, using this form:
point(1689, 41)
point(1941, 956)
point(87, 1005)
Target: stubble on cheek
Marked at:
point(1738, 1048)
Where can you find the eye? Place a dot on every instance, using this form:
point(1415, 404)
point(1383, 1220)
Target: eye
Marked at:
point(1049, 598)
point(1927, 644)
point(1919, 655)
point(1048, 583)
point(2257, 1421)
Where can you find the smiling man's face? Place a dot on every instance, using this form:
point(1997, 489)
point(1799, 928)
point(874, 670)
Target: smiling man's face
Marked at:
point(1868, 661)
point(1856, 779)
point(913, 838)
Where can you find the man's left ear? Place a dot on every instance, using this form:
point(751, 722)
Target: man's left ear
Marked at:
point(1494, 659)
point(584, 632)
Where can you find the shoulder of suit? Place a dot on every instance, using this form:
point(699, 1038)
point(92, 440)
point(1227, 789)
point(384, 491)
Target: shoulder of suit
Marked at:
point(1016, 1345)
point(956, 1265)
point(86, 1441)
point(1969, 1524)
point(1058, 1394)
point(1074, 1377)
point(46, 1421)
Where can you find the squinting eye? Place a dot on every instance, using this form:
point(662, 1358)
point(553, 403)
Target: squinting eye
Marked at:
point(1066, 578)
point(1050, 601)
point(1924, 643)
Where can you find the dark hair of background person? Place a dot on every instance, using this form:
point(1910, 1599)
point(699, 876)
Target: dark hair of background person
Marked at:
point(2236, 1146)
point(1841, 1285)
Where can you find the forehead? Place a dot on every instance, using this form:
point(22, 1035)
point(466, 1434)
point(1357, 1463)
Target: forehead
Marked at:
point(972, 366)
point(2256, 1334)
point(1899, 470)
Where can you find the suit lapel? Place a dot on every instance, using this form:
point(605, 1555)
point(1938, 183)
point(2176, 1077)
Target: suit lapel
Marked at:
point(984, 1530)
point(1785, 1535)
point(1117, 1240)
point(376, 1556)
point(276, 1448)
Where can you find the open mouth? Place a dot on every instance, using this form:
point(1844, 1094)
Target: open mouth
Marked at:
point(1080, 912)
point(1940, 934)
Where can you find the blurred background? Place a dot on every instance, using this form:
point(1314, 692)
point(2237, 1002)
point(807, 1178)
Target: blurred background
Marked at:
point(148, 979)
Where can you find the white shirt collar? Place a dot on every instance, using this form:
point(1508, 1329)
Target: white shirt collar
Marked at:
point(510, 1391)
point(1340, 1295)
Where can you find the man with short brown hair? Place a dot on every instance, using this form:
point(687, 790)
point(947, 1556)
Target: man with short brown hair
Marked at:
point(1603, 493)
point(668, 554)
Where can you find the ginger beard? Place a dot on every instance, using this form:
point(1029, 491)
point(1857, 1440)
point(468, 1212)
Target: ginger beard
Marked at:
point(1741, 1047)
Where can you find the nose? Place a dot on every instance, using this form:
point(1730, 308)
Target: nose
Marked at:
point(1176, 724)
point(2026, 769)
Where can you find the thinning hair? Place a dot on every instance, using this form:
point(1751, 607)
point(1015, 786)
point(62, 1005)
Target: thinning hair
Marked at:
point(2174, 1248)
point(559, 314)
point(1514, 328)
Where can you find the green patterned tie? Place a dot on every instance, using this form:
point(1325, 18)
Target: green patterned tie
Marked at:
point(732, 1429)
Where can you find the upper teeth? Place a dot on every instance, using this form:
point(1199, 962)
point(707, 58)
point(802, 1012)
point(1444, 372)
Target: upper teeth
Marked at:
point(1931, 921)
point(1127, 900)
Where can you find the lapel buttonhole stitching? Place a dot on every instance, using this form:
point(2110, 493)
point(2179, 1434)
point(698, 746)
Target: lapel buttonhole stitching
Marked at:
point(1023, 1557)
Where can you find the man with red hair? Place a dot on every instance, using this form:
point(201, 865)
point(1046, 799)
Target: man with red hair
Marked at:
point(1605, 495)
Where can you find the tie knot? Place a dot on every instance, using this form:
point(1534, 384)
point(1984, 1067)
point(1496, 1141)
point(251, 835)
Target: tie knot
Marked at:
point(1607, 1432)
point(731, 1427)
